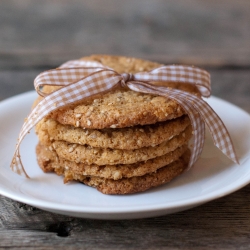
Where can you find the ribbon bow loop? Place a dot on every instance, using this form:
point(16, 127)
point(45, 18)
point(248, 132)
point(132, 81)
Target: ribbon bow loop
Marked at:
point(179, 74)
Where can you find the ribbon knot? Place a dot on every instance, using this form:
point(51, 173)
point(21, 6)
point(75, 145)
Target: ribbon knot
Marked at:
point(81, 79)
point(127, 77)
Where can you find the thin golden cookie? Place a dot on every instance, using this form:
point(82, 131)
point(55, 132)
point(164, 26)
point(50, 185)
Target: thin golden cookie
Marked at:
point(49, 161)
point(138, 183)
point(119, 109)
point(124, 138)
point(88, 155)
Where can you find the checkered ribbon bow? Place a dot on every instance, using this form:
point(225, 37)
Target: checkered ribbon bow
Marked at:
point(80, 79)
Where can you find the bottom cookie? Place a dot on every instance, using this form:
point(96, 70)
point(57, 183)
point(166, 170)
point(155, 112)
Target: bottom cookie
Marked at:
point(175, 163)
point(138, 183)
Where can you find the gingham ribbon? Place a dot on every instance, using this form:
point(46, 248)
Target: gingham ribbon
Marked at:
point(81, 79)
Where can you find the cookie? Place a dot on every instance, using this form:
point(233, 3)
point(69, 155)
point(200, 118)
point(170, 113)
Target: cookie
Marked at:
point(124, 138)
point(100, 156)
point(138, 183)
point(121, 107)
point(123, 64)
point(49, 161)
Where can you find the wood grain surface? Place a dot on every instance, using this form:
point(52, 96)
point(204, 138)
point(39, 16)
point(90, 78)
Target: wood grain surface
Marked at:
point(221, 224)
point(35, 33)
point(38, 35)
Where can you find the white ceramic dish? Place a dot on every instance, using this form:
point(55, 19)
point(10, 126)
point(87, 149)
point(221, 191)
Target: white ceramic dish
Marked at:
point(213, 176)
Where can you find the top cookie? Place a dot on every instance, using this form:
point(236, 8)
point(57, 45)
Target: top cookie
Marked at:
point(121, 107)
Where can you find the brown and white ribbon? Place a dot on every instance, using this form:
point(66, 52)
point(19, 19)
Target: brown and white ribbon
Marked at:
point(81, 79)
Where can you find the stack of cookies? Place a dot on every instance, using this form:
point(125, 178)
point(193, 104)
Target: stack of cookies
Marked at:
point(120, 142)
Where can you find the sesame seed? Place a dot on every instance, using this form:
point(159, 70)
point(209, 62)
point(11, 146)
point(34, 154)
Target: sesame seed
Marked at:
point(117, 175)
point(89, 122)
point(71, 149)
point(77, 123)
point(113, 126)
point(88, 113)
point(142, 130)
point(78, 115)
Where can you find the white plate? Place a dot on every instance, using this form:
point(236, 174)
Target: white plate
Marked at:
point(213, 176)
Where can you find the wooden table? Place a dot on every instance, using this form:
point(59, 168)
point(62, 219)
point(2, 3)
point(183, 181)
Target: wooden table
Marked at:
point(38, 35)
